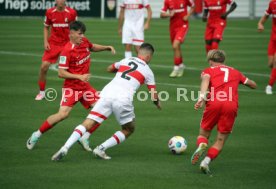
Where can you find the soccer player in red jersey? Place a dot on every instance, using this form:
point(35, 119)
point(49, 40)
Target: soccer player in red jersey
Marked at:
point(57, 19)
point(271, 10)
point(216, 21)
point(219, 90)
point(177, 11)
point(74, 67)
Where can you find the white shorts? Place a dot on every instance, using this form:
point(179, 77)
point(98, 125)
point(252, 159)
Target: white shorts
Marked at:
point(132, 35)
point(122, 109)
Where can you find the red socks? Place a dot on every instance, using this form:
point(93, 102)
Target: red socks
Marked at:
point(212, 153)
point(215, 45)
point(42, 85)
point(208, 48)
point(201, 139)
point(272, 77)
point(45, 127)
point(177, 61)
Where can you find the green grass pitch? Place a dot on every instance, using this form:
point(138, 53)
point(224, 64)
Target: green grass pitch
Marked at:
point(143, 161)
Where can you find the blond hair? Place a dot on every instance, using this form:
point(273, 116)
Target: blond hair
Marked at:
point(216, 55)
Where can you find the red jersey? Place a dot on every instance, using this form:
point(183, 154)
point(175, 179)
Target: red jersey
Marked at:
point(76, 60)
point(59, 23)
point(271, 10)
point(180, 7)
point(216, 9)
point(224, 82)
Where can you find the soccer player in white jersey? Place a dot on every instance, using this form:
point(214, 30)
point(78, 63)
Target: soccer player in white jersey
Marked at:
point(116, 97)
point(132, 25)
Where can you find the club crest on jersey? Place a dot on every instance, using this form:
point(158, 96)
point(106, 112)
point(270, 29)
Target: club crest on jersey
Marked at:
point(65, 100)
point(66, 19)
point(62, 59)
point(218, 2)
point(87, 49)
point(111, 4)
point(181, 5)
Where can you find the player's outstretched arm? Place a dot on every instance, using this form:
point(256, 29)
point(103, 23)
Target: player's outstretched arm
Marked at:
point(97, 48)
point(251, 84)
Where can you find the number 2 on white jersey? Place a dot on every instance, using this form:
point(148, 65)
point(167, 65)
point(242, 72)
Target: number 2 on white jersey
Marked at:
point(226, 74)
point(134, 66)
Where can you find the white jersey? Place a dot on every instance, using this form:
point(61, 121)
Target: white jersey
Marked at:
point(134, 12)
point(131, 74)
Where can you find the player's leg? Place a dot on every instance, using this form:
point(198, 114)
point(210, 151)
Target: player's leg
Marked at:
point(209, 120)
point(137, 38)
point(208, 38)
point(127, 41)
point(124, 113)
point(49, 57)
point(42, 79)
point(49, 123)
point(128, 50)
point(202, 143)
point(179, 38)
point(272, 65)
point(117, 138)
point(217, 36)
point(215, 43)
point(75, 136)
point(213, 152)
point(89, 98)
point(225, 124)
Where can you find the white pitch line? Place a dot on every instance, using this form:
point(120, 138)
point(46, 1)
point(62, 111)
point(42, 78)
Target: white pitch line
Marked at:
point(108, 62)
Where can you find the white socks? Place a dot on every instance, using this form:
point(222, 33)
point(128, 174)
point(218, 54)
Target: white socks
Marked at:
point(117, 138)
point(37, 133)
point(86, 136)
point(180, 66)
point(78, 132)
point(207, 160)
point(128, 54)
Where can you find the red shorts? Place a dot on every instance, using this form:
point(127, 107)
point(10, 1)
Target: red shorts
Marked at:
point(271, 51)
point(179, 33)
point(52, 54)
point(86, 97)
point(221, 114)
point(214, 31)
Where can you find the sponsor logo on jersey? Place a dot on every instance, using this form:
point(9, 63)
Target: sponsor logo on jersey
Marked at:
point(83, 60)
point(61, 25)
point(62, 60)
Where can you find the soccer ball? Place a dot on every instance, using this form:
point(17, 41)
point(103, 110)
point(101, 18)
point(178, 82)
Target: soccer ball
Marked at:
point(177, 144)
